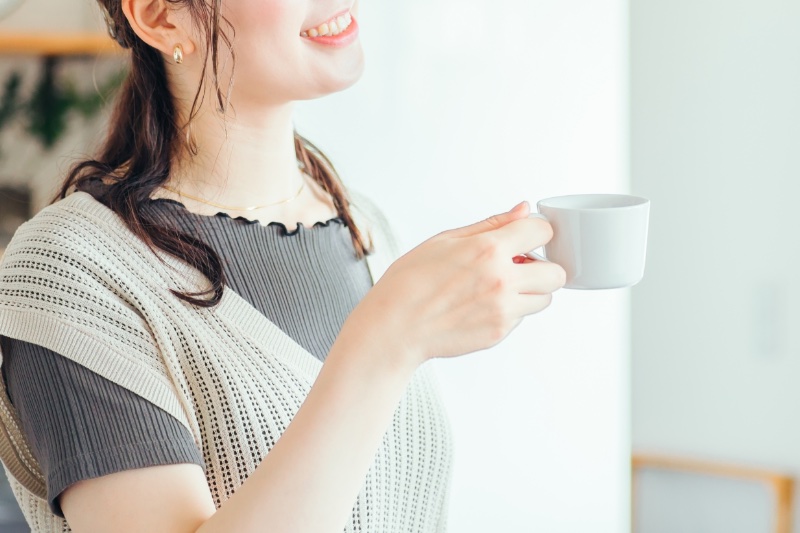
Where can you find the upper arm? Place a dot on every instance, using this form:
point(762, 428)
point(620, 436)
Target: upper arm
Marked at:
point(81, 425)
point(165, 498)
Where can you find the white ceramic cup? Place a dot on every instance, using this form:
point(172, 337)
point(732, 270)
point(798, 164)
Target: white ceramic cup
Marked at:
point(599, 239)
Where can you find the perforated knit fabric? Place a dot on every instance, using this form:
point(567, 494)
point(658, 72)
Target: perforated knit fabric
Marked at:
point(74, 279)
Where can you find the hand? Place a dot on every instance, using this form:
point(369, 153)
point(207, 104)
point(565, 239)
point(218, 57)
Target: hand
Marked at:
point(464, 289)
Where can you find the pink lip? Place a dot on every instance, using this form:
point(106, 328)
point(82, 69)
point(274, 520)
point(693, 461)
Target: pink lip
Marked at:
point(343, 39)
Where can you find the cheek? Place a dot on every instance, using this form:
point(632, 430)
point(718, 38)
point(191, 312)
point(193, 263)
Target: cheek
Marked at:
point(252, 18)
point(267, 41)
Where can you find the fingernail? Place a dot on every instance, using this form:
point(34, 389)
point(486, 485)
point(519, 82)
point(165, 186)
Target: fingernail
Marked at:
point(519, 205)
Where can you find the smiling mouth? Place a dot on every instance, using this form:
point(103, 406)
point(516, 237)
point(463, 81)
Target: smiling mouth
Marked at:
point(334, 26)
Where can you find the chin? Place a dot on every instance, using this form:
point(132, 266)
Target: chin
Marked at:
point(342, 79)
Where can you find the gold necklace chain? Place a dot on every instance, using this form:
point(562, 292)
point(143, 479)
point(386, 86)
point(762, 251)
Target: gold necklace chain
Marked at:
point(234, 208)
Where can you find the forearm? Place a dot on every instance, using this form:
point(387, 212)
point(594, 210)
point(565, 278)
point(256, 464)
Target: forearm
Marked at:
point(309, 481)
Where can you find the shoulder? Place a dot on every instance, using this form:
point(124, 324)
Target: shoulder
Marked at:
point(79, 203)
point(69, 223)
point(80, 233)
point(76, 241)
point(370, 218)
point(369, 214)
point(368, 208)
point(79, 206)
point(75, 263)
point(70, 263)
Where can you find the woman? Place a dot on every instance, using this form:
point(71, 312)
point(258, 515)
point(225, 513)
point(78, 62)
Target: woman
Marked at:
point(205, 334)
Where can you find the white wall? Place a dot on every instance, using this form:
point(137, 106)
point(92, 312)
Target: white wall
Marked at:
point(465, 109)
point(716, 145)
point(62, 16)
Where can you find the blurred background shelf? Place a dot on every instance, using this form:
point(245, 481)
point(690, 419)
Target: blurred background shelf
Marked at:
point(680, 494)
point(58, 44)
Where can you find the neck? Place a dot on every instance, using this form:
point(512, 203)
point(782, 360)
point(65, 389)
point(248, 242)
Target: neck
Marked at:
point(243, 160)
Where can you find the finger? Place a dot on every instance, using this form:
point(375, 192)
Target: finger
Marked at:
point(519, 211)
point(523, 235)
point(530, 304)
point(537, 277)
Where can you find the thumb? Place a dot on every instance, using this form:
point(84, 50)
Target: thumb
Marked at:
point(521, 210)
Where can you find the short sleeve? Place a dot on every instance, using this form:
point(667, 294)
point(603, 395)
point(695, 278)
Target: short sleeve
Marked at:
point(81, 425)
point(75, 280)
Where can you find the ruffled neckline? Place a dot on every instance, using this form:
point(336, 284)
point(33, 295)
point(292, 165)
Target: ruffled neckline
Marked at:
point(249, 221)
point(96, 188)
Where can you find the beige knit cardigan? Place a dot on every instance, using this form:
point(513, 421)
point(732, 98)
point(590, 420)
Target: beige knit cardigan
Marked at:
point(76, 280)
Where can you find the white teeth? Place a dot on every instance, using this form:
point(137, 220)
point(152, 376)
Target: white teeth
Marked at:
point(332, 27)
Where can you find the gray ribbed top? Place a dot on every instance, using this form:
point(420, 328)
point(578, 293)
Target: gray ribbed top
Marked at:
point(81, 425)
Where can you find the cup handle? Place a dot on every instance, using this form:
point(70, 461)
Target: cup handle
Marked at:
point(533, 255)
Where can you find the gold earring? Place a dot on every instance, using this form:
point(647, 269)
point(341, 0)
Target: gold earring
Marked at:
point(177, 54)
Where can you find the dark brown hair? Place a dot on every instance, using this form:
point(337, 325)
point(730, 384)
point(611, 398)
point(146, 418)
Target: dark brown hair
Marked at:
point(144, 139)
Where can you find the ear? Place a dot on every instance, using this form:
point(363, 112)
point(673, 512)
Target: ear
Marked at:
point(161, 26)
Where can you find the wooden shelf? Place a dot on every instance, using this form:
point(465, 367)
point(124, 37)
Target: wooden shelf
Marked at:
point(781, 484)
point(662, 462)
point(58, 44)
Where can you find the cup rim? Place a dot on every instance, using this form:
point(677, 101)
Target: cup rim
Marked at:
point(635, 201)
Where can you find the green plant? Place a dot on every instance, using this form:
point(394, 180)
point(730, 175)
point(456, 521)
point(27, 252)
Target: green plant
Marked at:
point(47, 112)
point(9, 104)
